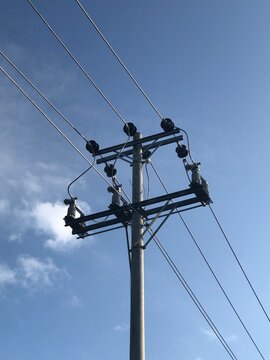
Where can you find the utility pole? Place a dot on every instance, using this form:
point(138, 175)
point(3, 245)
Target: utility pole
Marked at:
point(140, 215)
point(137, 346)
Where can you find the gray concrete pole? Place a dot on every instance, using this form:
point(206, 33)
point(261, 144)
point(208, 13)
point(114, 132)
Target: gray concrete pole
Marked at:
point(137, 346)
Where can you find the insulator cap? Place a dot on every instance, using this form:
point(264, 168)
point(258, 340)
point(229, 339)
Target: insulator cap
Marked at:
point(110, 170)
point(167, 124)
point(146, 154)
point(130, 129)
point(182, 151)
point(92, 147)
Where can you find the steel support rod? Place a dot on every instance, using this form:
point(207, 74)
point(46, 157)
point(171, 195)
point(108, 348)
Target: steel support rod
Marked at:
point(137, 342)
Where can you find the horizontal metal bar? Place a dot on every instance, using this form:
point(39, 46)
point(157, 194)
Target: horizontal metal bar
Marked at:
point(151, 146)
point(139, 141)
point(170, 206)
point(178, 211)
point(98, 225)
point(101, 232)
point(136, 206)
point(152, 211)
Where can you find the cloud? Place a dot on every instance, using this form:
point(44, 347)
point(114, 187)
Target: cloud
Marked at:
point(7, 275)
point(4, 206)
point(75, 302)
point(123, 327)
point(212, 336)
point(35, 274)
point(48, 220)
point(32, 273)
point(209, 334)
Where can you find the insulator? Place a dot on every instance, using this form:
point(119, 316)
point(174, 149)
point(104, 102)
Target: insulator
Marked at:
point(146, 155)
point(167, 124)
point(205, 185)
point(130, 129)
point(72, 210)
point(92, 147)
point(110, 170)
point(182, 151)
point(195, 175)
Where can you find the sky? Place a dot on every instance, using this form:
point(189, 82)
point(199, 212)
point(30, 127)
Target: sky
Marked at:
point(204, 64)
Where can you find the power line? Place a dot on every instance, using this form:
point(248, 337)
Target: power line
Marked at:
point(211, 270)
point(77, 62)
point(55, 126)
point(119, 59)
point(43, 96)
point(239, 263)
point(59, 112)
point(194, 298)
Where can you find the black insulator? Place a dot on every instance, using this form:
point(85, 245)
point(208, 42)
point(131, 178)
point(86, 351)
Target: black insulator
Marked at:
point(182, 151)
point(110, 170)
point(146, 154)
point(167, 124)
point(130, 129)
point(92, 147)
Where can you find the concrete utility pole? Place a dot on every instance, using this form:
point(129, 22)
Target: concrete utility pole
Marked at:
point(140, 214)
point(137, 346)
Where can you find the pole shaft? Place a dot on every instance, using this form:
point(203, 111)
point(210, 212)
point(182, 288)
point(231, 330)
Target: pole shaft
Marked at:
point(137, 346)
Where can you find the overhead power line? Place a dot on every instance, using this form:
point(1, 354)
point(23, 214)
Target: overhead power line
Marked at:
point(211, 269)
point(119, 59)
point(239, 263)
point(43, 96)
point(77, 62)
point(194, 298)
point(55, 126)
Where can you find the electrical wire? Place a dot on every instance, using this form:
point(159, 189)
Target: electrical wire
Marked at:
point(211, 270)
point(239, 263)
point(194, 298)
point(77, 62)
point(77, 178)
point(119, 59)
point(127, 70)
point(44, 97)
point(56, 127)
point(84, 72)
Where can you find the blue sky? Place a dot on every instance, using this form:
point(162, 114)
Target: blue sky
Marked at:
point(205, 64)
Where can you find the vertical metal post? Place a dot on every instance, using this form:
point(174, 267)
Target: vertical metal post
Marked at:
point(137, 347)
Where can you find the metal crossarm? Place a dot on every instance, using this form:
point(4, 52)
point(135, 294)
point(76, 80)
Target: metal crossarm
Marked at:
point(123, 213)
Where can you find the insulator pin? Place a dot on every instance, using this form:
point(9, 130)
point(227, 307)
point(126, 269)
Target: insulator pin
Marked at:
point(146, 155)
point(130, 129)
point(110, 170)
point(181, 151)
point(92, 147)
point(167, 124)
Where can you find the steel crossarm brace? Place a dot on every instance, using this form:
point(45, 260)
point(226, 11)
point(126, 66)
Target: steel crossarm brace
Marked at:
point(151, 146)
point(138, 141)
point(159, 227)
point(137, 206)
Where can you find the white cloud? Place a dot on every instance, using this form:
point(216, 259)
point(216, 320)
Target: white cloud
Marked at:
point(123, 327)
point(35, 274)
point(7, 275)
point(31, 273)
point(209, 334)
point(48, 219)
point(212, 336)
point(231, 338)
point(4, 206)
point(75, 302)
